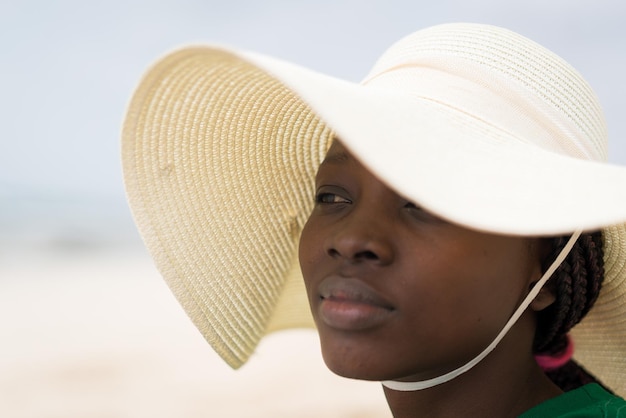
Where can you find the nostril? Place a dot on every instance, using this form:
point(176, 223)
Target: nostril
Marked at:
point(366, 255)
point(359, 255)
point(333, 253)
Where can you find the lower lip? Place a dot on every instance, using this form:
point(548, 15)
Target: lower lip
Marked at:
point(350, 315)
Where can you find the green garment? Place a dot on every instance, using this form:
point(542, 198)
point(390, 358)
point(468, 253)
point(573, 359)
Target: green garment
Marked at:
point(588, 401)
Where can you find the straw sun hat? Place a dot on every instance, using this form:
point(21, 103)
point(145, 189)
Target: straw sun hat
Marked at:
point(476, 123)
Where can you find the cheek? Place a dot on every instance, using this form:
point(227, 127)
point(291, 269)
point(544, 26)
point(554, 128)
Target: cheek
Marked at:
point(504, 283)
point(308, 252)
point(474, 284)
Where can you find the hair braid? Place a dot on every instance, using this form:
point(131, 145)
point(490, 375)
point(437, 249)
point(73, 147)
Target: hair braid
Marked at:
point(576, 285)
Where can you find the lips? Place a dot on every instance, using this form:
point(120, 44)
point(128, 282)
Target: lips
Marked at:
point(349, 304)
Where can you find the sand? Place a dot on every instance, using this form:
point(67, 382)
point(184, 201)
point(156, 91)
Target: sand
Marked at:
point(97, 334)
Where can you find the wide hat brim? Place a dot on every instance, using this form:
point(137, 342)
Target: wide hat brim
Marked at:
point(220, 150)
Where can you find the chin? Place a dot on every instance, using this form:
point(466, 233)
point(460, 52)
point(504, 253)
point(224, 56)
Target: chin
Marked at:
point(351, 363)
point(371, 362)
point(350, 372)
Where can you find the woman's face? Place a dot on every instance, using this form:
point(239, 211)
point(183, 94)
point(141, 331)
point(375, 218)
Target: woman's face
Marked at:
point(396, 292)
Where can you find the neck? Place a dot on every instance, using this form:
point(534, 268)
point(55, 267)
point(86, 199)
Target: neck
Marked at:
point(505, 384)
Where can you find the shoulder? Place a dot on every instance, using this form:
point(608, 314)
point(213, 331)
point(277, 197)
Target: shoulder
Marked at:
point(588, 401)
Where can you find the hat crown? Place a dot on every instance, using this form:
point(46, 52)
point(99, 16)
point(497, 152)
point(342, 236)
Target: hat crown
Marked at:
point(493, 56)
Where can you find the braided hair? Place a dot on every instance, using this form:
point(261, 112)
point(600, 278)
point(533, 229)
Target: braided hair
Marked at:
point(576, 285)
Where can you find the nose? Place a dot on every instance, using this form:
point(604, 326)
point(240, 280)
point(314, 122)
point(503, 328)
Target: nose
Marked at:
point(362, 238)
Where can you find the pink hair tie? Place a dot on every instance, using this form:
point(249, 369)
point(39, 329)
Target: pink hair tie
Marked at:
point(555, 361)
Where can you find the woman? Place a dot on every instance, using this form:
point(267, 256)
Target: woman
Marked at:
point(453, 183)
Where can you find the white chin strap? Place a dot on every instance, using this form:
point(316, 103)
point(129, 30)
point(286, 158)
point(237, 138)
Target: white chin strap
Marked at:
point(425, 384)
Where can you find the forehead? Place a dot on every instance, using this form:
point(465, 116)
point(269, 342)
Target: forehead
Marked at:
point(337, 154)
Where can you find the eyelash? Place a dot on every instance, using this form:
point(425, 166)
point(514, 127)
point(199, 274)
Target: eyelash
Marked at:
point(320, 199)
point(332, 200)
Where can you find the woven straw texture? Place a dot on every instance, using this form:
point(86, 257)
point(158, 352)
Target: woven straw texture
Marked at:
point(226, 245)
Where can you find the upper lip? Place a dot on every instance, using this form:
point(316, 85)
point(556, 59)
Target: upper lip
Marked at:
point(351, 289)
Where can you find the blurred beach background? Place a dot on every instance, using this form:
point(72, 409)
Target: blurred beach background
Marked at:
point(87, 327)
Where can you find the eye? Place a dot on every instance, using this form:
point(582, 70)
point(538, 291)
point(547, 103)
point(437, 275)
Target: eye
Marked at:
point(412, 206)
point(421, 214)
point(327, 198)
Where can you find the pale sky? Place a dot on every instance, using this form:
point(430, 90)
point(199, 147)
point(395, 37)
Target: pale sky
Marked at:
point(69, 67)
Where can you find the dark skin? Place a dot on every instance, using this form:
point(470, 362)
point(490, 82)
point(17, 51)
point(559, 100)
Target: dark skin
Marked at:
point(400, 294)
